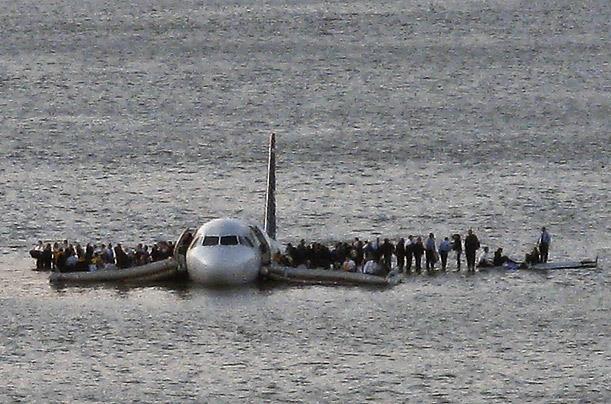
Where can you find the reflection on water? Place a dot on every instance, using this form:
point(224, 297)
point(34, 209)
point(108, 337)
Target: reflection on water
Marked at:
point(435, 337)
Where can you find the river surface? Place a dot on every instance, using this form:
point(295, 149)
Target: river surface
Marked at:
point(128, 121)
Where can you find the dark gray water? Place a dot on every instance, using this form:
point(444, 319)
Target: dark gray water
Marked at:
point(127, 122)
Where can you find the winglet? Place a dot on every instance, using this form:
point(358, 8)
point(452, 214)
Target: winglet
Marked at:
point(270, 198)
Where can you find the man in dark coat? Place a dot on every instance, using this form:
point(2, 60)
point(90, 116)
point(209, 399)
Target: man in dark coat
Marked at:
point(387, 250)
point(457, 246)
point(471, 247)
point(400, 254)
point(47, 257)
point(300, 253)
point(418, 250)
point(121, 257)
point(360, 253)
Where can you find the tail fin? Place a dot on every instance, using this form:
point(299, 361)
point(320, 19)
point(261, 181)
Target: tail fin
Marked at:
point(270, 198)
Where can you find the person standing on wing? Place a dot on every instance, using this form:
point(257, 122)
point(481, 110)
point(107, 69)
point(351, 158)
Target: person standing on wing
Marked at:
point(387, 249)
point(444, 249)
point(400, 254)
point(457, 246)
point(418, 251)
point(409, 253)
point(471, 247)
point(544, 242)
point(431, 249)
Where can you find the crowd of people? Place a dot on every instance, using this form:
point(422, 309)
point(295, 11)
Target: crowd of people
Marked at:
point(68, 257)
point(376, 257)
point(379, 257)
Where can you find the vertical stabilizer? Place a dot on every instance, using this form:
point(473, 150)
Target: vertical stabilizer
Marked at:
point(270, 198)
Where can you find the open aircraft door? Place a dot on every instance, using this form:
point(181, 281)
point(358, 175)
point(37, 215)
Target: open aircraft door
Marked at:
point(264, 247)
point(181, 247)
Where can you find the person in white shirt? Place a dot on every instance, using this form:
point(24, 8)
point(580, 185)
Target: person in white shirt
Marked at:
point(37, 253)
point(484, 259)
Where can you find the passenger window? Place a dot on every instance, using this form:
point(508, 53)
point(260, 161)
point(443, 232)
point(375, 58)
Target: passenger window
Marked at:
point(229, 240)
point(246, 241)
point(210, 240)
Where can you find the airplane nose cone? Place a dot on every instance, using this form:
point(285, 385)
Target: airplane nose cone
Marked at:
point(224, 266)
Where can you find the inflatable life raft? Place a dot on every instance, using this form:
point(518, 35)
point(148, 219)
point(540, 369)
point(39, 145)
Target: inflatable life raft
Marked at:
point(155, 271)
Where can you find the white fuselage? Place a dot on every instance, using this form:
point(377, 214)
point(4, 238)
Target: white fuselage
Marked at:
point(227, 252)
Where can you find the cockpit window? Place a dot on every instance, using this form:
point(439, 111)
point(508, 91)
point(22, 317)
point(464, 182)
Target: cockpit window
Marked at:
point(229, 240)
point(210, 240)
point(246, 241)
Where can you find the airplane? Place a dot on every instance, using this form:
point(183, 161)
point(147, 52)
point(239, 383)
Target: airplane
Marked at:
point(228, 251)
